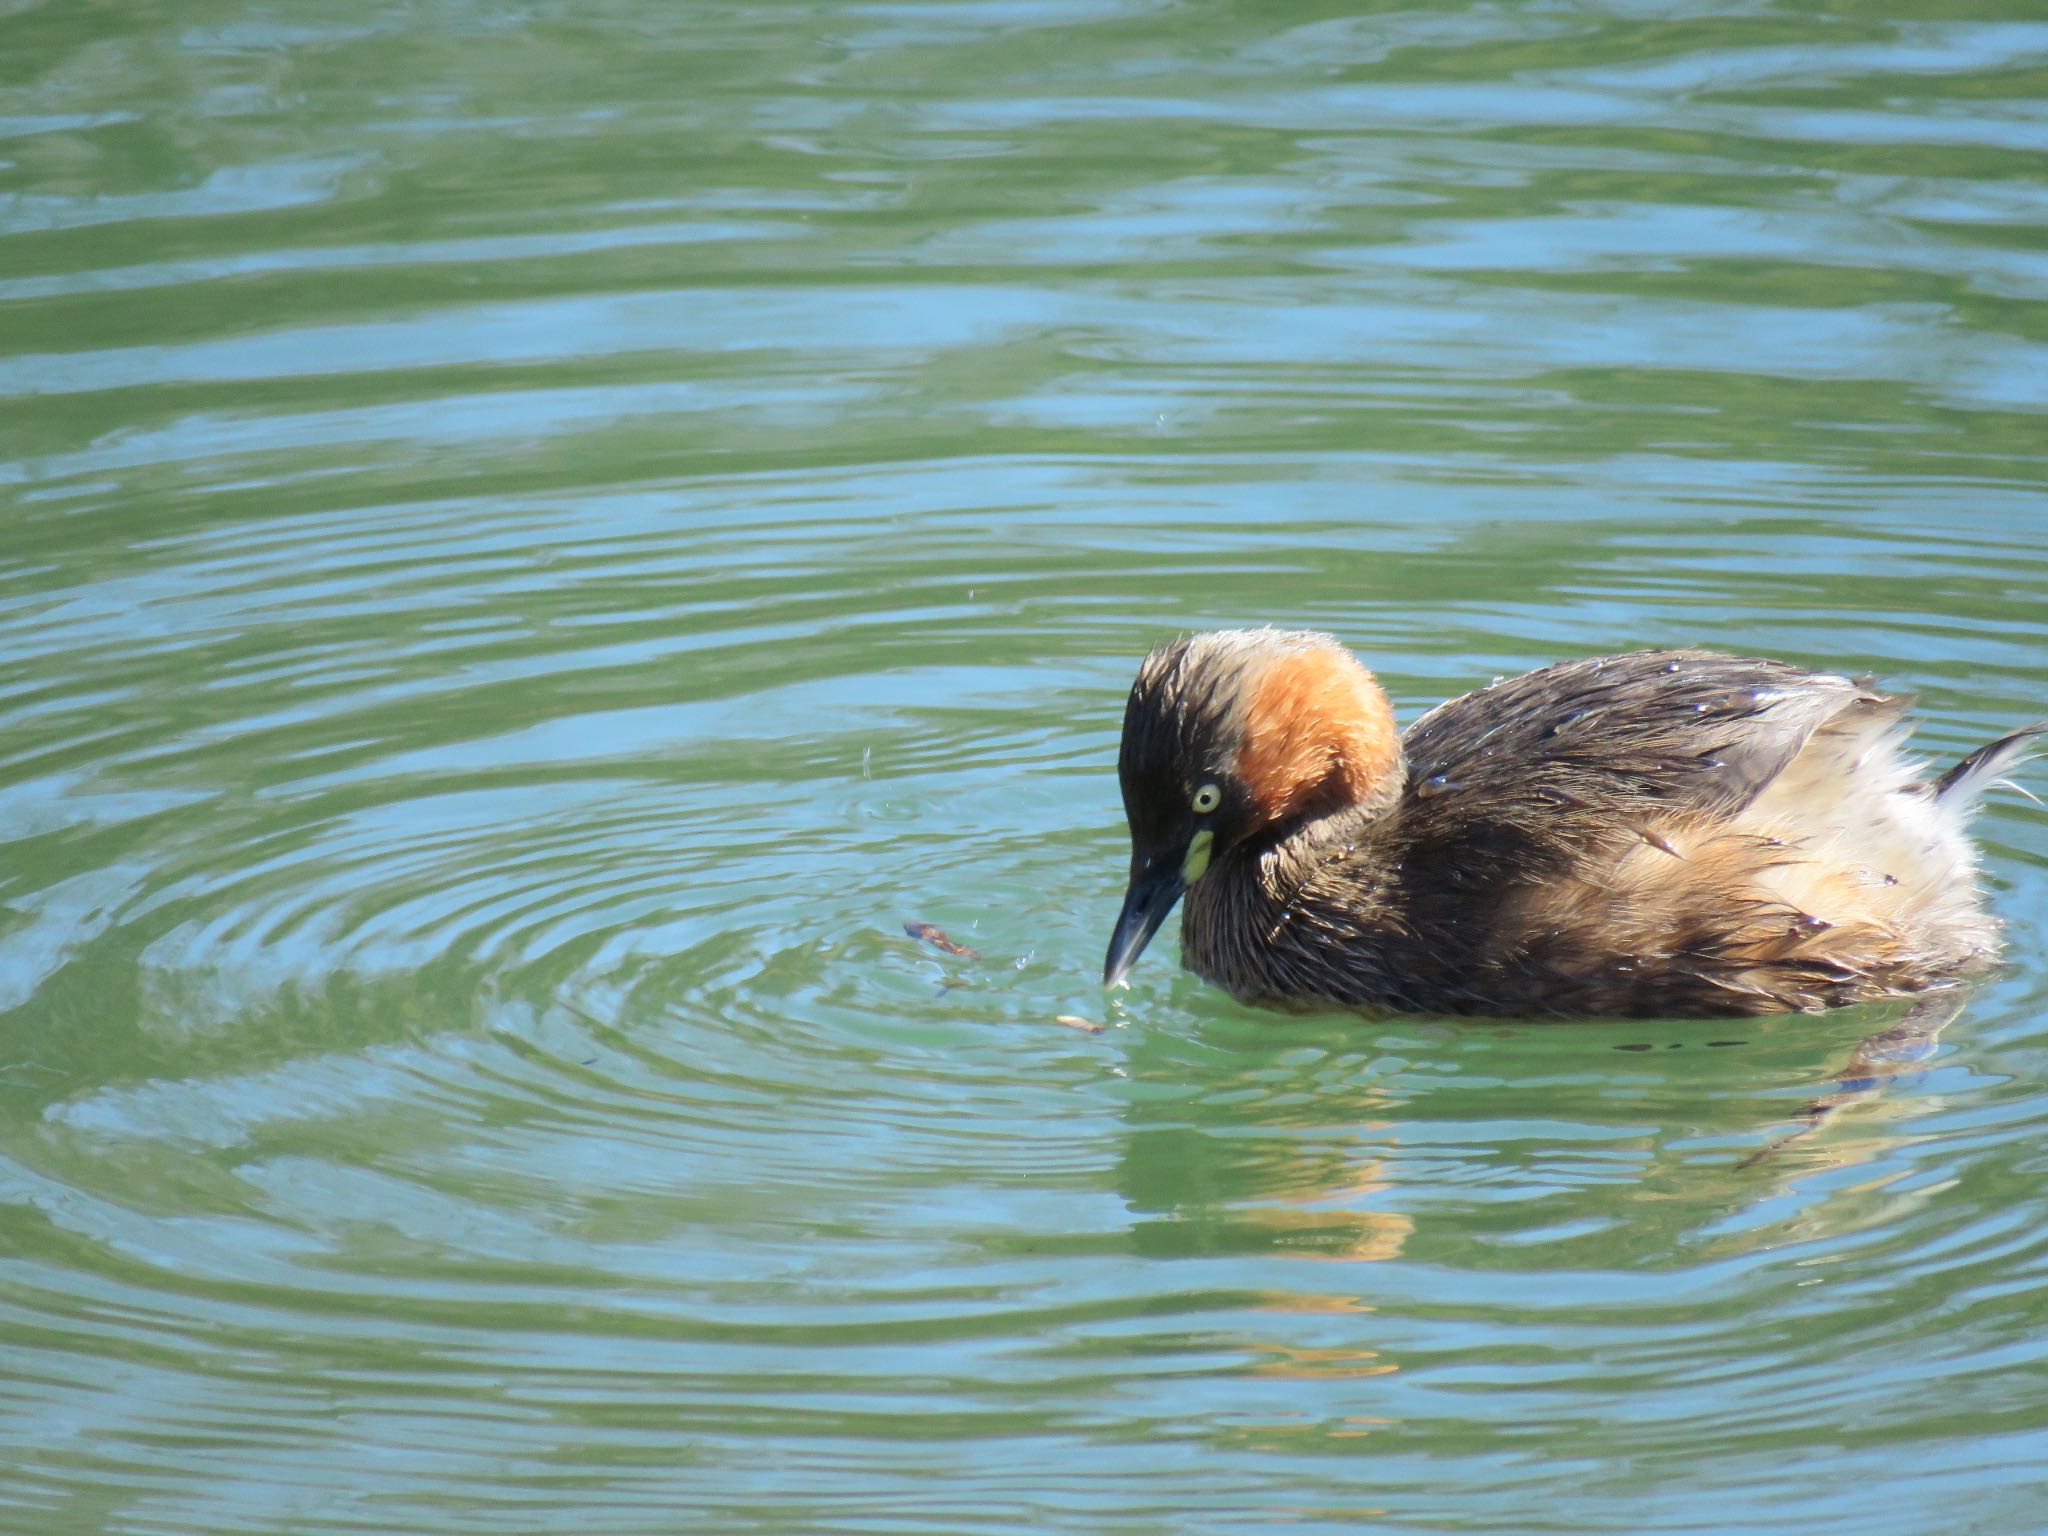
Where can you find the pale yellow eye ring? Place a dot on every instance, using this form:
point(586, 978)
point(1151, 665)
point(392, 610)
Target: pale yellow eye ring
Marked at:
point(1206, 799)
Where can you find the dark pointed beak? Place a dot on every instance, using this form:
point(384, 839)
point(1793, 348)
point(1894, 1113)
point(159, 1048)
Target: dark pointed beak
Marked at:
point(1146, 905)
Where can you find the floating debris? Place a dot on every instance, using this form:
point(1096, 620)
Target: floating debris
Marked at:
point(935, 936)
point(1075, 1021)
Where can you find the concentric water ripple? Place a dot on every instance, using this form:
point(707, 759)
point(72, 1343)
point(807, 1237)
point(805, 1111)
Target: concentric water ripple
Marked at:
point(536, 541)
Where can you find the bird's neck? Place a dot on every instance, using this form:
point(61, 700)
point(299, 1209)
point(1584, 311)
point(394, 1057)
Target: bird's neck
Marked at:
point(1259, 922)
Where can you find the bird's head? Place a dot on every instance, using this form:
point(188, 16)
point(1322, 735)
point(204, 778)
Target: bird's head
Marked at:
point(1233, 734)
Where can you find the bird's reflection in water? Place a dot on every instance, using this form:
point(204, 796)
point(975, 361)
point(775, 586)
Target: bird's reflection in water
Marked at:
point(1335, 1140)
point(1387, 1199)
point(1881, 1057)
point(1273, 1150)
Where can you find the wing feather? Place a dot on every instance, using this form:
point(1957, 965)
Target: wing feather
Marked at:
point(1528, 773)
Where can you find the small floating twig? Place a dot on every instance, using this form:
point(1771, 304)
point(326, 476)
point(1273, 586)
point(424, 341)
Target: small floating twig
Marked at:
point(936, 936)
point(1075, 1021)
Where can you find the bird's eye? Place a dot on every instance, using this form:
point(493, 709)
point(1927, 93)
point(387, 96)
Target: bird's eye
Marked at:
point(1206, 799)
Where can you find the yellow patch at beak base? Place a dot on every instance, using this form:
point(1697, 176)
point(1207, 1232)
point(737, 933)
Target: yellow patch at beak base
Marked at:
point(1197, 860)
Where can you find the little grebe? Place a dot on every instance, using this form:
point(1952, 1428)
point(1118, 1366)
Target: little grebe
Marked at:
point(1660, 833)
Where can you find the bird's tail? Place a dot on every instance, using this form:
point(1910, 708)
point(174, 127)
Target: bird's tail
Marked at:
point(1962, 784)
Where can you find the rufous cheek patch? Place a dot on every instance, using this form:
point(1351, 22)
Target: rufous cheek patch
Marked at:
point(1319, 734)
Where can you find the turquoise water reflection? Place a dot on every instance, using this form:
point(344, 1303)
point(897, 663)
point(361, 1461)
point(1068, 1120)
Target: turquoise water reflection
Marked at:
point(533, 540)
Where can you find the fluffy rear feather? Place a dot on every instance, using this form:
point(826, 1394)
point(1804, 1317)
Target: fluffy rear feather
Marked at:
point(1962, 784)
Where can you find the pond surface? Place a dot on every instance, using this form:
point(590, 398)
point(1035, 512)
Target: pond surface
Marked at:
point(534, 538)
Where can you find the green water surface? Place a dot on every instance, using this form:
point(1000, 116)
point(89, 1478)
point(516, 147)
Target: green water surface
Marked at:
point(534, 537)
